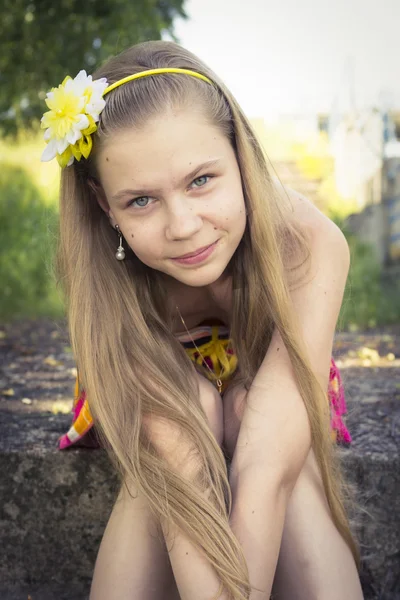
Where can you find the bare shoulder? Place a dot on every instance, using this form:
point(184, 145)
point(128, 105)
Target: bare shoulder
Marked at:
point(324, 236)
point(318, 297)
point(301, 210)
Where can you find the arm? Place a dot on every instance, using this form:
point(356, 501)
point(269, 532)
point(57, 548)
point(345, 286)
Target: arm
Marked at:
point(316, 304)
point(195, 578)
point(274, 438)
point(314, 560)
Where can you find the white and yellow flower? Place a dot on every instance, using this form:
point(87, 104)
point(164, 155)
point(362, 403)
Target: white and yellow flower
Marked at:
point(75, 107)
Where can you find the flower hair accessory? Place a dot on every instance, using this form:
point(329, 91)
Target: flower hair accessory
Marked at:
point(75, 108)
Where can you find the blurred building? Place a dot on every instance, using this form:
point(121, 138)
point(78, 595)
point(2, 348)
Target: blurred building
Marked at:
point(366, 149)
point(356, 144)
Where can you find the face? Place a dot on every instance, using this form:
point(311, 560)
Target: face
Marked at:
point(174, 187)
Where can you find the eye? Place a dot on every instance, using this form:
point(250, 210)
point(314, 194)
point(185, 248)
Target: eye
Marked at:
point(130, 203)
point(202, 179)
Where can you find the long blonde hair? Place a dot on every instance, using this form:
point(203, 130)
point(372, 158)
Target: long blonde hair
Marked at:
point(129, 361)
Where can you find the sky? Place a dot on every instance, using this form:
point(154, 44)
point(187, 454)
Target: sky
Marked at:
point(286, 57)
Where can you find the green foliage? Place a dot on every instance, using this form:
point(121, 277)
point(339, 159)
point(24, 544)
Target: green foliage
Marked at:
point(42, 41)
point(27, 244)
point(369, 301)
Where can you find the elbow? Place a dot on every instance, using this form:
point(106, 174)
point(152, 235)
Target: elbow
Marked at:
point(261, 481)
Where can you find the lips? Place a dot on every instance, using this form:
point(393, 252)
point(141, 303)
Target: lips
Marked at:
point(196, 252)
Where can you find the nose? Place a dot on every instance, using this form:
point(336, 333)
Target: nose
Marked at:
point(182, 221)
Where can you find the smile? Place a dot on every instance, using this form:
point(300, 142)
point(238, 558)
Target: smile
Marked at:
point(199, 257)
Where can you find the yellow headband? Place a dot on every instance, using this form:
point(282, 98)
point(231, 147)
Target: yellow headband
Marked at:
point(75, 107)
point(155, 72)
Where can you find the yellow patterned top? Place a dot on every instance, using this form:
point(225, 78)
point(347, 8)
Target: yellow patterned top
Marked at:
point(215, 346)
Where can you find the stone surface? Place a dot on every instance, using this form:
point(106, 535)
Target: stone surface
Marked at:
point(54, 508)
point(55, 505)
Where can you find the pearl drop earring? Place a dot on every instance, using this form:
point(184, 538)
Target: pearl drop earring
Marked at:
point(120, 253)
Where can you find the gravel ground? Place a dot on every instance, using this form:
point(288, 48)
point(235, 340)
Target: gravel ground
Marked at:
point(38, 370)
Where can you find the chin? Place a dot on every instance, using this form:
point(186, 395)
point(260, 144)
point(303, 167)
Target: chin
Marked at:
point(199, 277)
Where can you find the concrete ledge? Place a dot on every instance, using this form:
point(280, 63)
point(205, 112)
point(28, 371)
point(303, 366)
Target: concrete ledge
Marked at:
point(54, 508)
point(55, 505)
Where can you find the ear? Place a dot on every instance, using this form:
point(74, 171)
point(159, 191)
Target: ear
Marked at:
point(100, 196)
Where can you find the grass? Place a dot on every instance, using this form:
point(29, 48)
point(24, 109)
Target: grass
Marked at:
point(369, 299)
point(27, 243)
point(24, 152)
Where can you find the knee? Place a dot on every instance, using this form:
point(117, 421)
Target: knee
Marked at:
point(211, 402)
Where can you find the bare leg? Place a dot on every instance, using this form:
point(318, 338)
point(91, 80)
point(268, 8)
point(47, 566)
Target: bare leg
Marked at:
point(314, 561)
point(133, 562)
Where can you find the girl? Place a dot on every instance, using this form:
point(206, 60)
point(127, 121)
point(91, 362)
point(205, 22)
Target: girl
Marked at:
point(159, 160)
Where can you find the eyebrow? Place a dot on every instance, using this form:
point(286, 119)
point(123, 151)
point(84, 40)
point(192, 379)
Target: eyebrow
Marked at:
point(131, 192)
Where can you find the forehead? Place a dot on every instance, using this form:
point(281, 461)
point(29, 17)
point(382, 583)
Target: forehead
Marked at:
point(160, 151)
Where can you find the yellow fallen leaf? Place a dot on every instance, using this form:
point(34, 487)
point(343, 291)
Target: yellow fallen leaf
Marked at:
point(9, 392)
point(60, 407)
point(26, 400)
point(2, 335)
point(390, 356)
point(368, 353)
point(50, 360)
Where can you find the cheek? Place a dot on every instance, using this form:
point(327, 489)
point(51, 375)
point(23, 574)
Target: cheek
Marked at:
point(236, 218)
point(147, 244)
point(232, 206)
point(138, 239)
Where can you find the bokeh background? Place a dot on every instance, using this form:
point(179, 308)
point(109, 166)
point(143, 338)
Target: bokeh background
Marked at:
point(320, 82)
